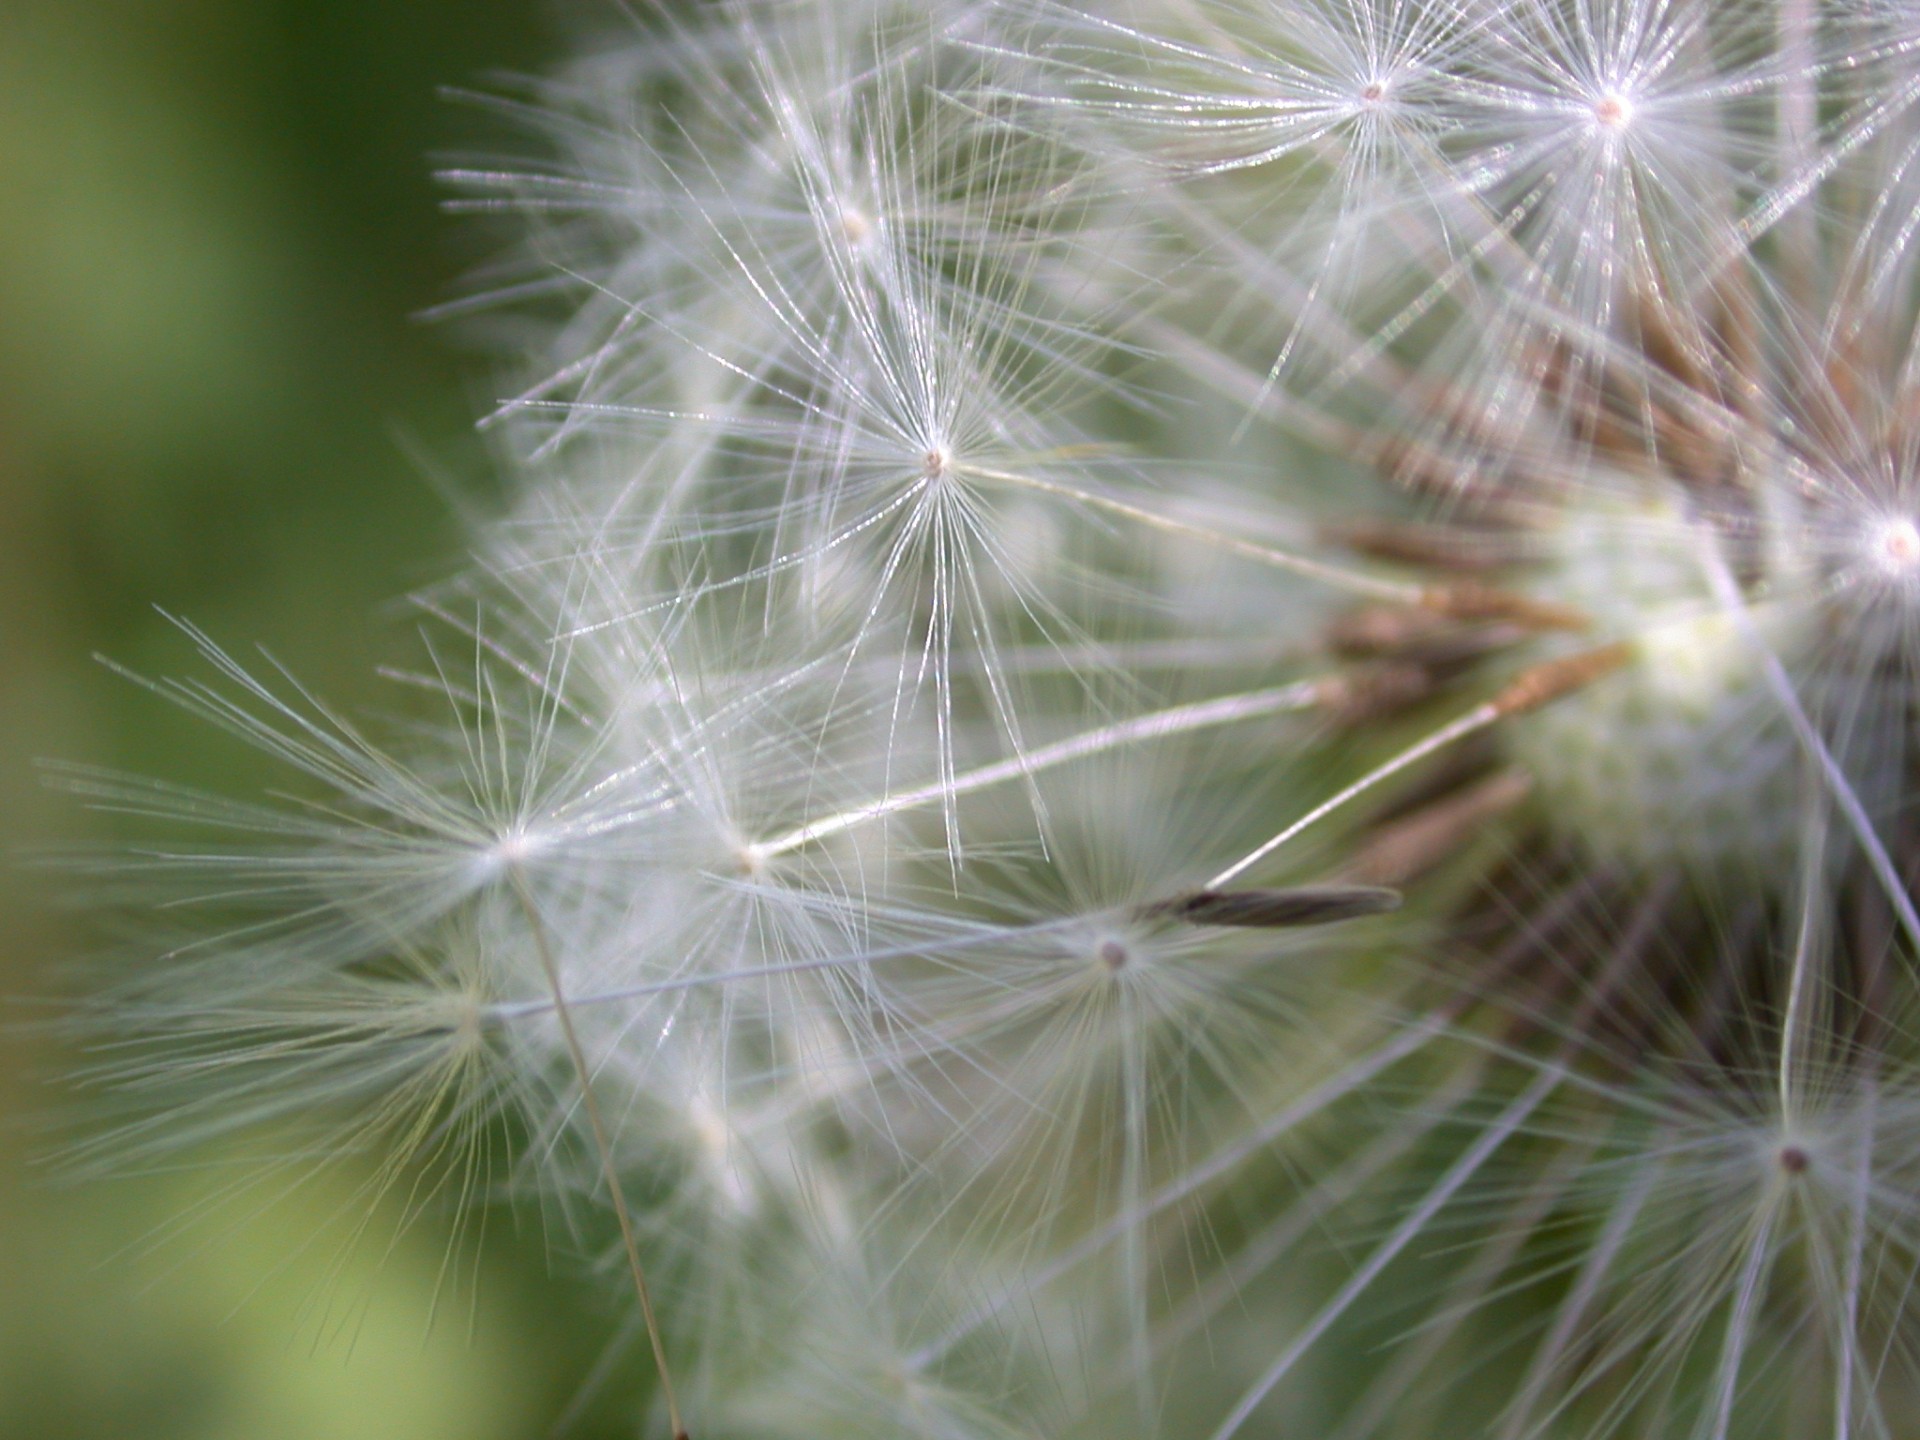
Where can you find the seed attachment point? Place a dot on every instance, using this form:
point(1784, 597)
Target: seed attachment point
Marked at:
point(1897, 543)
point(1546, 682)
point(1613, 111)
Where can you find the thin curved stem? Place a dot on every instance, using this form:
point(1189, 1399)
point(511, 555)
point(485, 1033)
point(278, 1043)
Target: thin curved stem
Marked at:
point(601, 1143)
point(1180, 720)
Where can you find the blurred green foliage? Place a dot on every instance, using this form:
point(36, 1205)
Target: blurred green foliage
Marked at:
point(217, 226)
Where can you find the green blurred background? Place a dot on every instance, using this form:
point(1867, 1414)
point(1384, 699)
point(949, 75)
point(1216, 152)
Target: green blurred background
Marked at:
point(217, 226)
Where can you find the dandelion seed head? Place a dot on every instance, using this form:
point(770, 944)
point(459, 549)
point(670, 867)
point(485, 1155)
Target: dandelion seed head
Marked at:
point(1672, 757)
point(899, 717)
